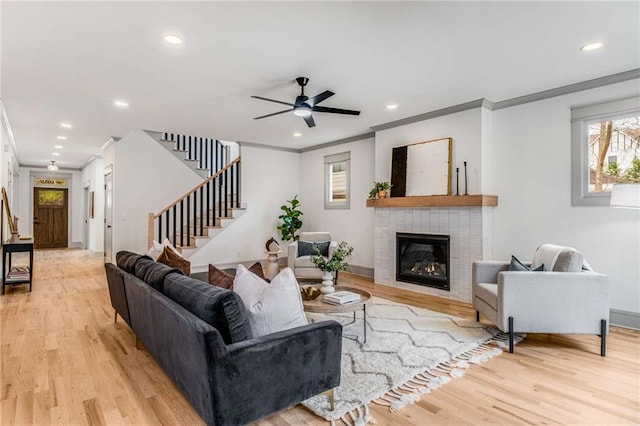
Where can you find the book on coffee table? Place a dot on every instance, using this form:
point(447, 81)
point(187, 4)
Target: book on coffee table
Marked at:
point(341, 297)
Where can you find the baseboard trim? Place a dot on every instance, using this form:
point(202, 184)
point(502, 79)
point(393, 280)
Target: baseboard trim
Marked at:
point(362, 271)
point(76, 244)
point(625, 319)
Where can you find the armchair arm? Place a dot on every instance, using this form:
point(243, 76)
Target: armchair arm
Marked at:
point(292, 253)
point(485, 271)
point(553, 302)
point(263, 375)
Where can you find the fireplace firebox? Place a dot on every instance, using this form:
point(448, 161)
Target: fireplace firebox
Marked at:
point(423, 259)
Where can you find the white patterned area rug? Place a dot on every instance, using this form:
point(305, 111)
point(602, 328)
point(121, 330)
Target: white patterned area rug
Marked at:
point(409, 352)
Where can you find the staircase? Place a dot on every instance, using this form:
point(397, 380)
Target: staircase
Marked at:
point(196, 217)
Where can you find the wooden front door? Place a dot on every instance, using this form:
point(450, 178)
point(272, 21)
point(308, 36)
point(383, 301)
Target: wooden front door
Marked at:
point(50, 217)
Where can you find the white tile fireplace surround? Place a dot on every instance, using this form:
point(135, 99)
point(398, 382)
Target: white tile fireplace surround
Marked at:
point(470, 228)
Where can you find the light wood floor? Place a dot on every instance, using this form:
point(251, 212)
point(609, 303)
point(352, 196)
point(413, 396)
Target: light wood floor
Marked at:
point(64, 361)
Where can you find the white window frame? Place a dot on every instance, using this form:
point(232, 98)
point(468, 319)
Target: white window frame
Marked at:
point(581, 118)
point(329, 160)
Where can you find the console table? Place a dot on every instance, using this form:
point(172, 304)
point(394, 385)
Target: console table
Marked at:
point(10, 277)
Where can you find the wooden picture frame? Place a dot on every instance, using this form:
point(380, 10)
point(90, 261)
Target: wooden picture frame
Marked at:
point(7, 209)
point(92, 204)
point(422, 168)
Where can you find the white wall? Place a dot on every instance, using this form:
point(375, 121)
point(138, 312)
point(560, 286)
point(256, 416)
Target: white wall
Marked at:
point(25, 203)
point(532, 177)
point(269, 178)
point(354, 225)
point(146, 178)
point(464, 127)
point(93, 176)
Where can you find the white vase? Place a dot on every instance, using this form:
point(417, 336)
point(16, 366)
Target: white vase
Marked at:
point(327, 283)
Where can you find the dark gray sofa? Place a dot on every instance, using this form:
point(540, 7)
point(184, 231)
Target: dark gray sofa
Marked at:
point(201, 337)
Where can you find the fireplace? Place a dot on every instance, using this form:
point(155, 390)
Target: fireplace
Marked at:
point(423, 259)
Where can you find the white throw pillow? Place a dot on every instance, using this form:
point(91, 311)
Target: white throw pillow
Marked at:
point(157, 248)
point(271, 307)
point(547, 255)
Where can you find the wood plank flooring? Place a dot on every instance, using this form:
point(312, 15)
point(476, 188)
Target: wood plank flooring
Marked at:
point(64, 361)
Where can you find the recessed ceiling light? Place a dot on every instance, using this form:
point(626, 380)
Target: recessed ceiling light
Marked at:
point(392, 106)
point(55, 153)
point(61, 138)
point(121, 104)
point(172, 39)
point(297, 134)
point(58, 146)
point(65, 125)
point(592, 46)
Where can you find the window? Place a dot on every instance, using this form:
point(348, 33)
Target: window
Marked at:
point(337, 181)
point(605, 149)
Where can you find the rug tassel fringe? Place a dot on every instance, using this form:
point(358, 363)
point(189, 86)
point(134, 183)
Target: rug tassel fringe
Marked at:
point(357, 417)
point(432, 379)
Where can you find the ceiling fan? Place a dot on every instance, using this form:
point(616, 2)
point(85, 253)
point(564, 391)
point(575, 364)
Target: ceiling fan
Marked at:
point(304, 105)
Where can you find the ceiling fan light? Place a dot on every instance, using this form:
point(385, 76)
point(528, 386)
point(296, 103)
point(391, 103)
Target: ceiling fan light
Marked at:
point(302, 111)
point(52, 167)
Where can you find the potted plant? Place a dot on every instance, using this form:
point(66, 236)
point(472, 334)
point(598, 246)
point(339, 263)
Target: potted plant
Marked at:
point(337, 262)
point(379, 190)
point(290, 220)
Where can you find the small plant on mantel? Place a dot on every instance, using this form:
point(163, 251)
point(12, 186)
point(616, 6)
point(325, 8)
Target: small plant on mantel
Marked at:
point(379, 190)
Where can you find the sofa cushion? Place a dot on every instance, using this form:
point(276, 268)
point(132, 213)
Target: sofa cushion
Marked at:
point(153, 273)
point(516, 265)
point(126, 260)
point(271, 307)
point(220, 278)
point(548, 254)
point(309, 248)
point(569, 260)
point(218, 307)
point(304, 262)
point(170, 258)
point(157, 248)
point(488, 292)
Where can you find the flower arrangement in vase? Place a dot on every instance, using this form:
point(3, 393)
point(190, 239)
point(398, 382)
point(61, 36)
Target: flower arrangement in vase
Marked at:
point(337, 262)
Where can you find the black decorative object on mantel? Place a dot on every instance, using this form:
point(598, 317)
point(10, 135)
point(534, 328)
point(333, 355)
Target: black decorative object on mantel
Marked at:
point(465, 179)
point(457, 181)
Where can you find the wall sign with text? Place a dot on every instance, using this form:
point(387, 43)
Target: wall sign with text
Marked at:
point(51, 182)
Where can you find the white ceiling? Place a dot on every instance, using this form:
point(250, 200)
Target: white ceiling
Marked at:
point(68, 61)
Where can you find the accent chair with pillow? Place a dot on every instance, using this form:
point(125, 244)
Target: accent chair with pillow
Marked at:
point(557, 293)
point(301, 251)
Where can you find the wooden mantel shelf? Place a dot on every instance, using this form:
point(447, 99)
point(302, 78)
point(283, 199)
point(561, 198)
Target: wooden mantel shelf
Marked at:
point(436, 201)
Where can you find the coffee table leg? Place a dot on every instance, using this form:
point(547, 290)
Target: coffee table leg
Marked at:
point(364, 310)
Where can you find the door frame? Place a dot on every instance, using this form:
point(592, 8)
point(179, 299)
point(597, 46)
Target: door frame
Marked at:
point(85, 214)
point(108, 228)
point(39, 244)
point(33, 174)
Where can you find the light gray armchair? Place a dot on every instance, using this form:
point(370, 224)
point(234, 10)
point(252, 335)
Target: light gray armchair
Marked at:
point(299, 257)
point(572, 302)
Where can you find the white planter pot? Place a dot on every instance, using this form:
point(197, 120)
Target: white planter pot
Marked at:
point(327, 283)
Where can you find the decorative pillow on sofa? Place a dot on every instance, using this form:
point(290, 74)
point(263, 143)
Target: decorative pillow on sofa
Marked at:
point(170, 258)
point(548, 255)
point(156, 249)
point(569, 260)
point(308, 248)
point(271, 307)
point(221, 278)
point(516, 265)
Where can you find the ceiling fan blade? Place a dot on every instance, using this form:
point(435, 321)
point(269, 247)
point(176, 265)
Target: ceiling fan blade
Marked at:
point(272, 100)
point(335, 110)
point(309, 120)
point(319, 98)
point(275, 113)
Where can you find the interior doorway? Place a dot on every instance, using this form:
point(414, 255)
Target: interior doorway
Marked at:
point(50, 217)
point(108, 216)
point(86, 202)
